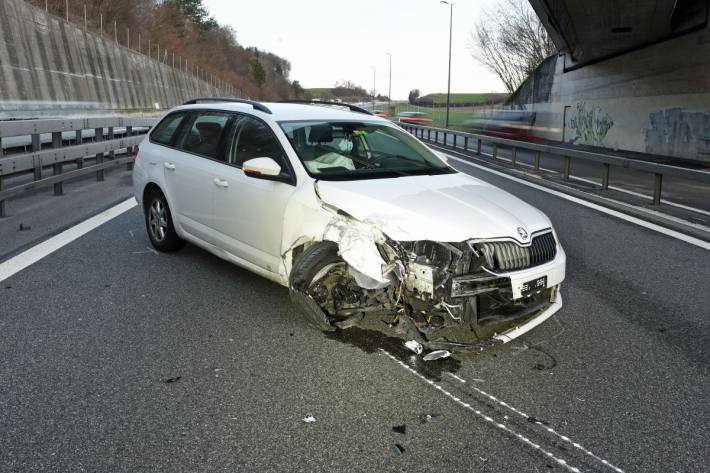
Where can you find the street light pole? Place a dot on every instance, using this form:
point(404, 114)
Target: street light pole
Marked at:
point(389, 94)
point(451, 33)
point(374, 87)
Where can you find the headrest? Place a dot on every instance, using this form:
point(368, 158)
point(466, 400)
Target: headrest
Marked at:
point(322, 133)
point(209, 129)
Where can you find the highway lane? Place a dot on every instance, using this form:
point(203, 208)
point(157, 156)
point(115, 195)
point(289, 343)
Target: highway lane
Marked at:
point(115, 358)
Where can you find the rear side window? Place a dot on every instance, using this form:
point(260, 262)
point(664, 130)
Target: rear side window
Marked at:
point(205, 134)
point(165, 130)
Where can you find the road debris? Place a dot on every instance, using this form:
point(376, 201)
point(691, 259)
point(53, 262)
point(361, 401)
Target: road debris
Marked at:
point(172, 380)
point(24, 228)
point(415, 346)
point(309, 419)
point(436, 355)
point(400, 429)
point(398, 449)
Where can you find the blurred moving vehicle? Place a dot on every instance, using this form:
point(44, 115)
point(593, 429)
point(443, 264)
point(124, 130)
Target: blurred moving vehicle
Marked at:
point(380, 114)
point(513, 124)
point(414, 118)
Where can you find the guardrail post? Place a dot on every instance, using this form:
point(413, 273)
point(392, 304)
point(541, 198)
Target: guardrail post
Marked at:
point(111, 136)
point(465, 143)
point(657, 188)
point(129, 133)
point(428, 135)
point(57, 167)
point(436, 136)
point(2, 202)
point(446, 139)
point(605, 176)
point(495, 150)
point(536, 161)
point(99, 136)
point(513, 155)
point(568, 167)
point(454, 135)
point(478, 147)
point(2, 153)
point(79, 140)
point(36, 146)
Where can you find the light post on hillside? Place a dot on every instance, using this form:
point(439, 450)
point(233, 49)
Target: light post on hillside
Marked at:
point(374, 87)
point(389, 94)
point(451, 33)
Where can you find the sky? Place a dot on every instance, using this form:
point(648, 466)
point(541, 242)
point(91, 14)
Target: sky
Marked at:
point(333, 40)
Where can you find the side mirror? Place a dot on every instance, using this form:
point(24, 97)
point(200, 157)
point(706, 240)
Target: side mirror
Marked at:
point(261, 168)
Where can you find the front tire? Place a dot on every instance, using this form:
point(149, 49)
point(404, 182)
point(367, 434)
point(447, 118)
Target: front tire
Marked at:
point(305, 269)
point(159, 223)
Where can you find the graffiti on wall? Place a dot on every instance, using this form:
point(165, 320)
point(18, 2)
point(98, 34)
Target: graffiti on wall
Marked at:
point(679, 132)
point(589, 126)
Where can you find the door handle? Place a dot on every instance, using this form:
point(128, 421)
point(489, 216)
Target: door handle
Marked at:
point(169, 166)
point(220, 183)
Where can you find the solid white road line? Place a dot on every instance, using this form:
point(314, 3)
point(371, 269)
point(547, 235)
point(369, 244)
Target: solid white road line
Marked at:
point(549, 429)
point(560, 461)
point(614, 213)
point(49, 246)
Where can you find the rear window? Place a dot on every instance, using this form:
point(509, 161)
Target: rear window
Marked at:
point(164, 132)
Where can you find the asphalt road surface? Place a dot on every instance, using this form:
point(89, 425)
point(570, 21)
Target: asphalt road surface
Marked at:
point(115, 358)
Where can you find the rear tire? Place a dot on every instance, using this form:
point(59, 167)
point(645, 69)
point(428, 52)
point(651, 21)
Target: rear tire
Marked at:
point(159, 223)
point(306, 267)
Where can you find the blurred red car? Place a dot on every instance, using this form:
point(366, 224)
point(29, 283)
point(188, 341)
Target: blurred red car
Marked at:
point(414, 118)
point(380, 114)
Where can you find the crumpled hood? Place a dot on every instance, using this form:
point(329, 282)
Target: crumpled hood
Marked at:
point(448, 207)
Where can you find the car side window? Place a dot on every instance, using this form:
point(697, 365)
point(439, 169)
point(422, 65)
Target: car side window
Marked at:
point(205, 134)
point(253, 139)
point(165, 130)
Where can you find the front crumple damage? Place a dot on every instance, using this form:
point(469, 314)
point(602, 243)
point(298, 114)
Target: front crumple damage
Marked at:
point(450, 295)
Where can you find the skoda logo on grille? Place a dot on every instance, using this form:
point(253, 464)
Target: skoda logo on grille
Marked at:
point(523, 233)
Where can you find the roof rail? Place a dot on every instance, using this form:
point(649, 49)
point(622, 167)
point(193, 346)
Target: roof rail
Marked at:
point(257, 105)
point(353, 108)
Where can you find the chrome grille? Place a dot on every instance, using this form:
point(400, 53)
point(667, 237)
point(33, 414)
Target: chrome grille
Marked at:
point(509, 256)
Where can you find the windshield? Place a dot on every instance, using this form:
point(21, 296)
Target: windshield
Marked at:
point(360, 150)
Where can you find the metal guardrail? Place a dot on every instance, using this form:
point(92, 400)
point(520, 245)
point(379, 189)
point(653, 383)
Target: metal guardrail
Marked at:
point(104, 144)
point(658, 170)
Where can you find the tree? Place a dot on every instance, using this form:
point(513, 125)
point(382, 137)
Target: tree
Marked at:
point(413, 96)
point(258, 72)
point(511, 41)
point(196, 12)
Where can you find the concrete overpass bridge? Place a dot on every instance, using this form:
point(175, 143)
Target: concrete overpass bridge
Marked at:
point(630, 75)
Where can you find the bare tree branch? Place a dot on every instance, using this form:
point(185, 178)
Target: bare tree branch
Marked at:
point(511, 41)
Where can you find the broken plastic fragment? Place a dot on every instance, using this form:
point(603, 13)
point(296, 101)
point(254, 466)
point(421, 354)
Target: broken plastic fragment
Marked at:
point(398, 449)
point(415, 346)
point(436, 355)
point(309, 419)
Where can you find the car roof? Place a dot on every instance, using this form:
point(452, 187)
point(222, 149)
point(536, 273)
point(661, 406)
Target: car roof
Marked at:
point(288, 111)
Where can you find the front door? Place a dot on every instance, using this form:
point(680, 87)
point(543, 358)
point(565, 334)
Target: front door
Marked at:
point(249, 212)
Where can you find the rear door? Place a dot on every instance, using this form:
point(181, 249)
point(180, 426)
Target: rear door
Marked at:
point(249, 212)
point(190, 172)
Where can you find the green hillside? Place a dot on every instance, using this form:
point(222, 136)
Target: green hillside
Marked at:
point(464, 99)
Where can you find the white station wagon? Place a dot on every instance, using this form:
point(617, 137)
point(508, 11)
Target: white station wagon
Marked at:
point(353, 215)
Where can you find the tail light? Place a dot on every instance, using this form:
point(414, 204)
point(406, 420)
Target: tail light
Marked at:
point(135, 153)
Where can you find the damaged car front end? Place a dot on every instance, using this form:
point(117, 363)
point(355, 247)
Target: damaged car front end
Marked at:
point(450, 261)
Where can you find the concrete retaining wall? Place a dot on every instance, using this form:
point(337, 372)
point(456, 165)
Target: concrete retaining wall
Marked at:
point(49, 67)
point(653, 100)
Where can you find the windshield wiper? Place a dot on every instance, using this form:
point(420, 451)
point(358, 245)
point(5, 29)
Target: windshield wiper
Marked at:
point(422, 165)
